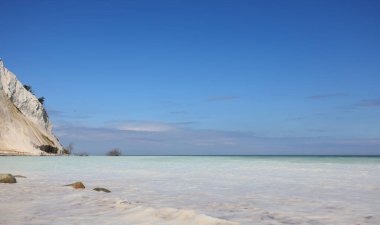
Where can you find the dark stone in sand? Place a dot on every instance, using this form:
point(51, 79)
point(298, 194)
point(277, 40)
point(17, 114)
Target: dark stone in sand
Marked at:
point(76, 185)
point(102, 189)
point(7, 178)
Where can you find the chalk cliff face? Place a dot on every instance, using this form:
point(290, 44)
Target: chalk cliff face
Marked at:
point(24, 123)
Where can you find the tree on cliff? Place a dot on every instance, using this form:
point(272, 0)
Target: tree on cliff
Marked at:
point(29, 88)
point(41, 100)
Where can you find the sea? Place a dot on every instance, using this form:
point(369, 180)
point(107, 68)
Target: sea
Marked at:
point(181, 190)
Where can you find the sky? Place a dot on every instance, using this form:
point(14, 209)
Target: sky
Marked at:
point(202, 77)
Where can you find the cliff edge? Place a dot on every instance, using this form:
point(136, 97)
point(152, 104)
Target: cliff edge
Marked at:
point(24, 124)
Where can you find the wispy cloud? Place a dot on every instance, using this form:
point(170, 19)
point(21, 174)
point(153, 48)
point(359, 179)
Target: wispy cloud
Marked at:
point(329, 95)
point(369, 103)
point(222, 98)
point(142, 126)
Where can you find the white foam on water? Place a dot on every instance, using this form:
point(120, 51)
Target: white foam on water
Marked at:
point(191, 190)
point(35, 204)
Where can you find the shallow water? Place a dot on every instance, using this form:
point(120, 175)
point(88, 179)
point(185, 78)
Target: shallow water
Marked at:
point(192, 190)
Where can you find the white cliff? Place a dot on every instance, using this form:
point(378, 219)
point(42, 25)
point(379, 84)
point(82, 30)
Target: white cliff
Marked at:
point(24, 123)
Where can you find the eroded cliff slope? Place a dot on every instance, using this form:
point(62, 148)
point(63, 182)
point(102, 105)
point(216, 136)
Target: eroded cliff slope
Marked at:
point(24, 124)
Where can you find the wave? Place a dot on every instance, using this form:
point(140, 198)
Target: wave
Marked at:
point(142, 215)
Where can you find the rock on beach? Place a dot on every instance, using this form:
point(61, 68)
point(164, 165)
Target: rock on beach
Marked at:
point(102, 189)
point(7, 178)
point(76, 185)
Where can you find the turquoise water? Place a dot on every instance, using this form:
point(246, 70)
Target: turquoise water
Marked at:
point(183, 190)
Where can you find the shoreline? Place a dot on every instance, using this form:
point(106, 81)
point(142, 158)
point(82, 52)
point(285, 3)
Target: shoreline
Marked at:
point(14, 153)
point(18, 153)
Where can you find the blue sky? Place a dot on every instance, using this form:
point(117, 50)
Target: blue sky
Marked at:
point(202, 77)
